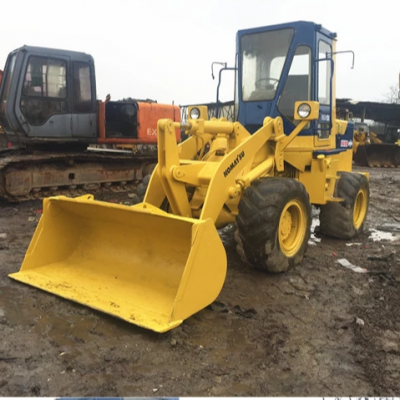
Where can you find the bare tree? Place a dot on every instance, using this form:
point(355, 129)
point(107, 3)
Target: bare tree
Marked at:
point(393, 95)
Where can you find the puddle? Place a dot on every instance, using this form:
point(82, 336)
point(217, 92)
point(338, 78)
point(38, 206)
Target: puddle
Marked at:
point(14, 305)
point(377, 235)
point(65, 326)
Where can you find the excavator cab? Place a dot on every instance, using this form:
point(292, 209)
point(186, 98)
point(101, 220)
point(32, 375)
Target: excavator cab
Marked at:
point(48, 95)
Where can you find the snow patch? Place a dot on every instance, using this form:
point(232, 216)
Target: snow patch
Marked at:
point(314, 240)
point(377, 235)
point(349, 265)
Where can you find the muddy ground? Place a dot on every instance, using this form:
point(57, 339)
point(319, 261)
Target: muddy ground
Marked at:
point(320, 329)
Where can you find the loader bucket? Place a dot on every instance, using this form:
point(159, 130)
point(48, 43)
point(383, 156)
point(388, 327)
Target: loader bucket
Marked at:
point(378, 155)
point(137, 263)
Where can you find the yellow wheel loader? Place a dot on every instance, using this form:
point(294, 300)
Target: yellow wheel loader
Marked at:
point(371, 151)
point(157, 263)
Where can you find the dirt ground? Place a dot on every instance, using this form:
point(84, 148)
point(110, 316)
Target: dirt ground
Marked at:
point(320, 329)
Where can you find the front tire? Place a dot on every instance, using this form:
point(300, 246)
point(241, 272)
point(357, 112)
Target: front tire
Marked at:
point(273, 224)
point(346, 220)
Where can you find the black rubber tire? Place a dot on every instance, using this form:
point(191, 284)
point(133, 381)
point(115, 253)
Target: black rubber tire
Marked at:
point(336, 219)
point(260, 211)
point(142, 187)
point(148, 169)
point(141, 191)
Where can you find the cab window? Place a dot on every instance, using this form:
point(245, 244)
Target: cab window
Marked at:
point(324, 73)
point(298, 83)
point(263, 57)
point(44, 91)
point(82, 88)
point(6, 80)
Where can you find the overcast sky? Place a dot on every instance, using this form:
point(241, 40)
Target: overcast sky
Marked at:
point(163, 49)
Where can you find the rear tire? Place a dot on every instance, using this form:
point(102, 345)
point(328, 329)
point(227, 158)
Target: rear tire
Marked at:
point(142, 187)
point(141, 191)
point(346, 220)
point(273, 224)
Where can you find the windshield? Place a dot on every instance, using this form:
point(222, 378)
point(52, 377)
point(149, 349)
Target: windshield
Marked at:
point(263, 58)
point(5, 86)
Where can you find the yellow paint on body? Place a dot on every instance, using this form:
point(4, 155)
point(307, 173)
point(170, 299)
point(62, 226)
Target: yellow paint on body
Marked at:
point(153, 268)
point(136, 263)
point(360, 208)
point(292, 228)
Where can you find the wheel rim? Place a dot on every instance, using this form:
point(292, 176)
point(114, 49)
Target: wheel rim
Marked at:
point(360, 208)
point(292, 228)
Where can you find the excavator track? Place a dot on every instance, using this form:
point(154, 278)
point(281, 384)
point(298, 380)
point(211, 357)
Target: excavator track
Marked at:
point(27, 175)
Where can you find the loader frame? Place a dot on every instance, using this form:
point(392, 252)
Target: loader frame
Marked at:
point(234, 160)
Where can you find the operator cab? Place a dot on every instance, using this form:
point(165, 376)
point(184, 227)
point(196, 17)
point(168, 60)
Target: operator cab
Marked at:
point(282, 64)
point(48, 94)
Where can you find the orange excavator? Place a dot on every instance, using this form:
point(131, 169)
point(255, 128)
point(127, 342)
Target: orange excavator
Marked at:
point(50, 114)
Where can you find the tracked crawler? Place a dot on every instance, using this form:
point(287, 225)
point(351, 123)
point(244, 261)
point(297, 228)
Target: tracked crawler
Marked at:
point(50, 112)
point(26, 175)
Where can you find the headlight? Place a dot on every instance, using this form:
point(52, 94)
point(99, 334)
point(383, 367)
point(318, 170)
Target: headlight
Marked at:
point(194, 113)
point(304, 110)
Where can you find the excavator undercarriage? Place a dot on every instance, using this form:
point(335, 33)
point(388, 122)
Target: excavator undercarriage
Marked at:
point(26, 175)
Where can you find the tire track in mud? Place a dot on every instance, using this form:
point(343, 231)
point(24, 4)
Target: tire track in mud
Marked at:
point(378, 339)
point(292, 334)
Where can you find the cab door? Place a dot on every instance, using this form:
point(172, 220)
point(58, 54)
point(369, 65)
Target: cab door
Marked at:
point(324, 87)
point(84, 112)
point(42, 103)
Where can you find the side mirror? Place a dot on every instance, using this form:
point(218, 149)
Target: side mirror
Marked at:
point(306, 110)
